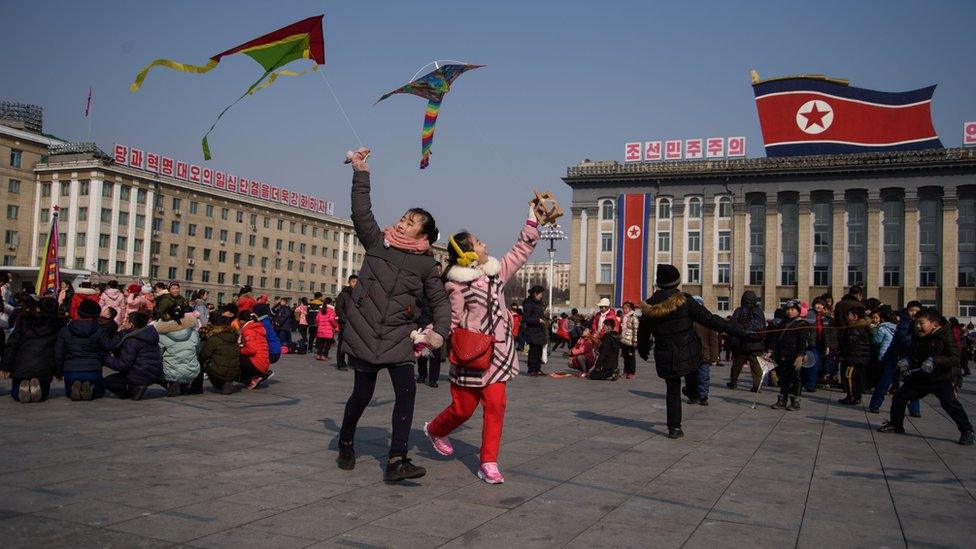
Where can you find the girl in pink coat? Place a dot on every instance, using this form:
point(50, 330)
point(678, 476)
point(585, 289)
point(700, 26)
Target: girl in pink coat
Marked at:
point(134, 302)
point(114, 298)
point(325, 331)
point(473, 279)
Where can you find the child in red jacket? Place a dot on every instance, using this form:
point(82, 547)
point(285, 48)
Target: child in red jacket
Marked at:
point(255, 361)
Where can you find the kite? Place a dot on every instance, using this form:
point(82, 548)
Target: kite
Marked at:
point(432, 87)
point(301, 40)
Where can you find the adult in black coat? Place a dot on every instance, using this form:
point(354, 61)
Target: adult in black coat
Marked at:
point(138, 360)
point(607, 364)
point(533, 329)
point(28, 358)
point(749, 317)
point(79, 351)
point(669, 316)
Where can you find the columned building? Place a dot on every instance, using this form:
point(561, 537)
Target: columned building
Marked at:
point(901, 224)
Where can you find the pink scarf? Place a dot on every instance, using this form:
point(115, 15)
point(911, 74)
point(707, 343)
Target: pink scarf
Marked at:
point(406, 244)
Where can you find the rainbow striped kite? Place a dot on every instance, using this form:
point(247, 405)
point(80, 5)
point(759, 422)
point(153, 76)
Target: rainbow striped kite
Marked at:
point(301, 40)
point(432, 87)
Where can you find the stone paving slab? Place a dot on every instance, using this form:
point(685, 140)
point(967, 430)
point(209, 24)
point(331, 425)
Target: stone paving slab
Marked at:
point(586, 464)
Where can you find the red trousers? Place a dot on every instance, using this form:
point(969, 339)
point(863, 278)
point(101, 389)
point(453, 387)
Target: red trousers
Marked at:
point(464, 401)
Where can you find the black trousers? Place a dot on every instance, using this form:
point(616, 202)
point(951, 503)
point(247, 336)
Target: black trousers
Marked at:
point(340, 356)
point(217, 382)
point(854, 379)
point(535, 357)
point(323, 345)
point(249, 370)
point(943, 390)
point(789, 380)
point(630, 359)
point(405, 391)
point(119, 385)
point(673, 398)
point(430, 367)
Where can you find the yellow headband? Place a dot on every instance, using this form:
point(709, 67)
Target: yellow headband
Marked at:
point(464, 259)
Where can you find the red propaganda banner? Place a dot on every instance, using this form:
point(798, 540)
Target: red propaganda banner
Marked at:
point(632, 210)
point(672, 149)
point(207, 178)
point(136, 158)
point(693, 148)
point(736, 146)
point(182, 170)
point(632, 152)
point(969, 134)
point(806, 116)
point(715, 147)
point(152, 162)
point(652, 151)
point(121, 154)
point(166, 166)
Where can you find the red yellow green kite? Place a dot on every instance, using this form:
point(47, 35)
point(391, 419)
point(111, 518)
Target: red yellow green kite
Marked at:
point(301, 40)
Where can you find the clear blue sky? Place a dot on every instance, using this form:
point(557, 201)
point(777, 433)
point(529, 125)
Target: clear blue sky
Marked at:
point(564, 81)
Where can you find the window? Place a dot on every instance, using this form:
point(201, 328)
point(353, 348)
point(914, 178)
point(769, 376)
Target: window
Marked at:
point(124, 193)
point(157, 224)
point(103, 265)
point(605, 273)
point(606, 242)
point(82, 214)
point(606, 209)
point(278, 247)
point(291, 227)
point(140, 221)
point(223, 234)
point(281, 224)
point(120, 267)
point(46, 190)
point(664, 209)
point(174, 227)
point(205, 276)
point(65, 189)
point(725, 208)
point(194, 207)
point(291, 264)
point(81, 239)
point(154, 271)
point(250, 260)
point(208, 233)
point(967, 308)
point(724, 273)
point(137, 244)
point(206, 254)
point(664, 241)
point(252, 240)
point(221, 277)
point(103, 240)
point(855, 275)
point(821, 227)
point(10, 238)
point(224, 213)
point(121, 242)
point(821, 276)
point(177, 203)
point(235, 279)
point(171, 272)
point(189, 275)
point(265, 242)
point(45, 215)
point(239, 238)
point(928, 275)
point(13, 212)
point(105, 216)
point(695, 208)
point(191, 229)
point(892, 275)
point(694, 241)
point(756, 273)
point(304, 229)
point(725, 241)
point(107, 189)
point(240, 219)
point(83, 187)
point(15, 157)
point(694, 273)
point(174, 250)
point(222, 256)
point(267, 222)
point(136, 268)
point(191, 251)
point(291, 245)
point(788, 276)
point(724, 304)
point(967, 276)
point(237, 259)
point(141, 196)
point(13, 186)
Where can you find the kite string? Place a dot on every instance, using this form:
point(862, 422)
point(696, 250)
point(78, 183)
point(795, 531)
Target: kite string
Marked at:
point(342, 110)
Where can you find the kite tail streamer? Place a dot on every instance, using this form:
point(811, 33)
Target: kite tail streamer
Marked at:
point(206, 145)
point(274, 76)
point(170, 64)
point(427, 135)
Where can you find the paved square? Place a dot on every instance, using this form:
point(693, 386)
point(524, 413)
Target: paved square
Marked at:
point(586, 465)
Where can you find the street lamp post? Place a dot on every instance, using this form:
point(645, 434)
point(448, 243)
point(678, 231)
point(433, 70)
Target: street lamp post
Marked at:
point(552, 233)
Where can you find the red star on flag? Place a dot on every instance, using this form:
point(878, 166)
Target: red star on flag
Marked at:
point(814, 116)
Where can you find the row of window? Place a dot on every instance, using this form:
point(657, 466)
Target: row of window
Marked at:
point(664, 241)
point(664, 208)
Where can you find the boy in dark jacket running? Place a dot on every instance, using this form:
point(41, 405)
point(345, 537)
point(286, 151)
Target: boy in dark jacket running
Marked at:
point(138, 360)
point(28, 358)
point(788, 350)
point(932, 365)
point(855, 353)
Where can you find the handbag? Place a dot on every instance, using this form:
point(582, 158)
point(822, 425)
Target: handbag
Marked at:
point(471, 349)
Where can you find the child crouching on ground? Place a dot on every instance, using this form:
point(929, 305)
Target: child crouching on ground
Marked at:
point(138, 360)
point(931, 367)
point(583, 354)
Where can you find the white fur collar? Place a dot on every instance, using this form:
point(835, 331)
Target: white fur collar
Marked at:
point(470, 274)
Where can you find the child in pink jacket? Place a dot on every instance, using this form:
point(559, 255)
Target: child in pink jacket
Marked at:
point(474, 285)
point(325, 331)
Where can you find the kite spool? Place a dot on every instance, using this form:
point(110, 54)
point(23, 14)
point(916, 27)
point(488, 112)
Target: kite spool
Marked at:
point(546, 209)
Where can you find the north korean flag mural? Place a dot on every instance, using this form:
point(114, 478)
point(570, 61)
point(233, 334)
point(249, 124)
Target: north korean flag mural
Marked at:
point(632, 210)
point(805, 116)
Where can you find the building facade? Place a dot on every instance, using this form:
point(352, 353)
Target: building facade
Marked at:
point(901, 224)
point(537, 274)
point(123, 223)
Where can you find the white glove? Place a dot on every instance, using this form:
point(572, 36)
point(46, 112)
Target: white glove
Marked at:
point(928, 365)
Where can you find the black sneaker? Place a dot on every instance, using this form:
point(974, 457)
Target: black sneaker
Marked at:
point(731, 385)
point(675, 433)
point(75, 390)
point(848, 401)
point(402, 469)
point(347, 458)
point(432, 385)
point(139, 392)
point(889, 427)
point(794, 405)
point(780, 404)
point(703, 401)
point(967, 438)
point(421, 379)
point(86, 390)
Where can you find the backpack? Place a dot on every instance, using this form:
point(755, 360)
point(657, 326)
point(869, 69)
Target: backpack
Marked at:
point(312, 314)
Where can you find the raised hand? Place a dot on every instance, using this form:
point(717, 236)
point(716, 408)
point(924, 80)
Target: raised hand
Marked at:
point(358, 159)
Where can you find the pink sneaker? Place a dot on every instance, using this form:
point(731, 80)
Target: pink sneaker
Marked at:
point(442, 445)
point(489, 473)
point(254, 382)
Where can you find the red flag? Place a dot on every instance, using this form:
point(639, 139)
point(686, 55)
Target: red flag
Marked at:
point(49, 272)
point(88, 106)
